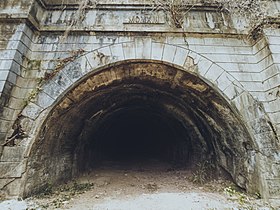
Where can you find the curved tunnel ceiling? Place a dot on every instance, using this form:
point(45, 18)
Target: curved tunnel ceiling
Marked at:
point(193, 121)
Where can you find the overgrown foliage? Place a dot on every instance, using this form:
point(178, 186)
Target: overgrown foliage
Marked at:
point(255, 11)
point(176, 10)
point(204, 172)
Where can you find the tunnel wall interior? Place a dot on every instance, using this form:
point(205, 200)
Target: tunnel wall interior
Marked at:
point(137, 111)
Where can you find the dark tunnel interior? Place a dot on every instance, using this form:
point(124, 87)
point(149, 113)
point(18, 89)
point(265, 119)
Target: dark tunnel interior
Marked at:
point(136, 134)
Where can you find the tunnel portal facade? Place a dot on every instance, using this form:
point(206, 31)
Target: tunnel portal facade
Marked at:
point(109, 91)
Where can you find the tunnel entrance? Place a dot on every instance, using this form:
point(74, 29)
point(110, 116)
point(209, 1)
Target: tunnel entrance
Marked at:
point(137, 111)
point(137, 133)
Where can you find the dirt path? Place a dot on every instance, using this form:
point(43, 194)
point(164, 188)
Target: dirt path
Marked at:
point(155, 186)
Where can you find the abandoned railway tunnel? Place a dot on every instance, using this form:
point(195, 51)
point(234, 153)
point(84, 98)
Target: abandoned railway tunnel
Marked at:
point(123, 83)
point(136, 111)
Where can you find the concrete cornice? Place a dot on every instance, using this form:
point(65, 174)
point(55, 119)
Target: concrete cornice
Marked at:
point(33, 18)
point(121, 5)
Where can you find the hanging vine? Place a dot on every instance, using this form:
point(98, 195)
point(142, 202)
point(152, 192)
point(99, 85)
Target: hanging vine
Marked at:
point(254, 11)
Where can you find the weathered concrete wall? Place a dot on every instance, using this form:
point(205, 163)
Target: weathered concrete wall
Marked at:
point(245, 72)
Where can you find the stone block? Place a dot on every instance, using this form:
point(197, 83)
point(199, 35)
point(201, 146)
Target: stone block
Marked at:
point(6, 64)
point(233, 42)
point(263, 64)
point(157, 50)
point(105, 55)
point(44, 100)
point(253, 86)
point(5, 182)
point(12, 78)
point(259, 45)
point(276, 57)
point(5, 125)
point(73, 71)
point(25, 83)
point(12, 45)
point(273, 40)
point(23, 48)
point(16, 36)
point(129, 50)
point(275, 48)
point(177, 40)
point(2, 139)
point(270, 72)
point(53, 89)
point(203, 66)
point(275, 117)
point(195, 56)
point(143, 48)
point(214, 73)
point(28, 127)
point(26, 38)
point(247, 76)
point(13, 154)
point(263, 53)
point(94, 59)
point(272, 82)
point(14, 188)
point(2, 85)
point(47, 64)
point(62, 81)
point(216, 41)
point(12, 169)
point(242, 102)
point(7, 113)
point(224, 80)
point(124, 39)
point(7, 54)
point(273, 188)
point(16, 68)
point(168, 53)
point(232, 91)
point(85, 66)
point(180, 56)
point(117, 52)
point(272, 106)
point(32, 111)
point(16, 103)
point(195, 41)
point(3, 75)
point(244, 50)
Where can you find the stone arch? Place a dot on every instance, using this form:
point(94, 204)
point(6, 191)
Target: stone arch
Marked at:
point(140, 49)
point(204, 72)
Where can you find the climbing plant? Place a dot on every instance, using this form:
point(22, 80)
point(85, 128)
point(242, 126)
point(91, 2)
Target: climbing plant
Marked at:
point(255, 11)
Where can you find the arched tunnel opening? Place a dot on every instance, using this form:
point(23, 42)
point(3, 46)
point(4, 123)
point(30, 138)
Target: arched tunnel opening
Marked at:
point(137, 111)
point(136, 133)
